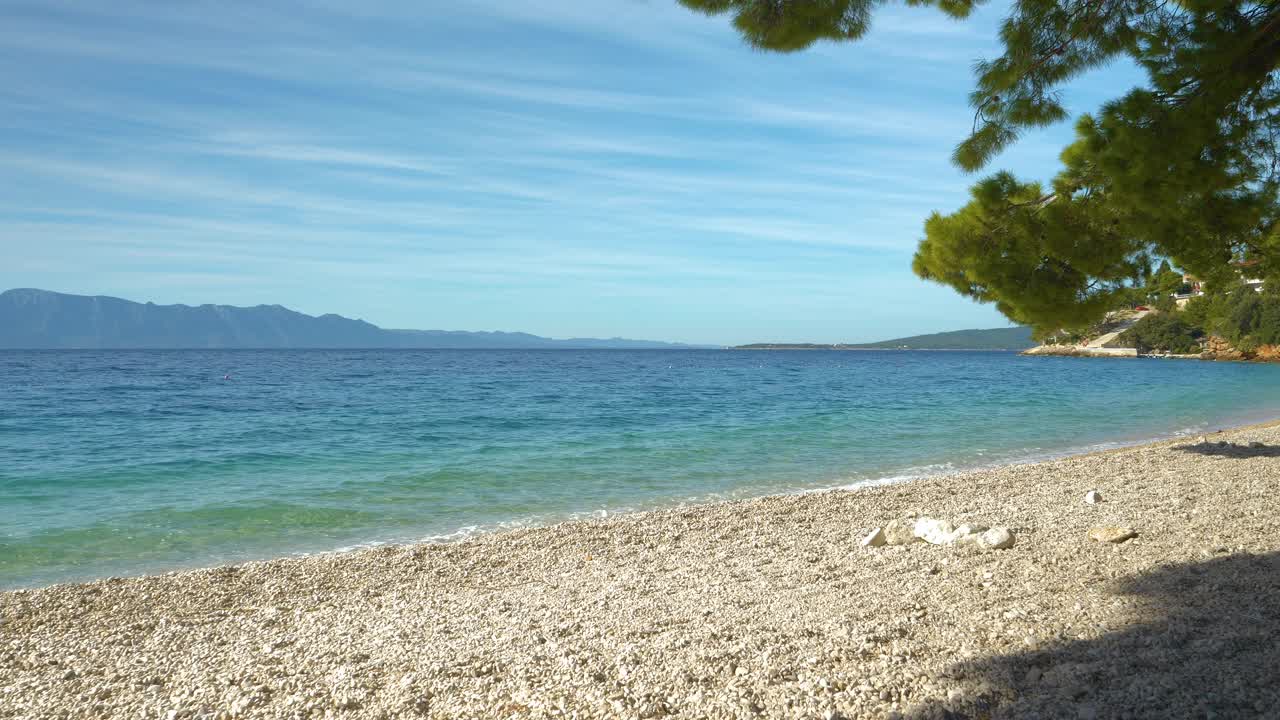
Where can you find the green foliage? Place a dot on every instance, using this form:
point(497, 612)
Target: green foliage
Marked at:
point(1163, 283)
point(1247, 318)
point(1042, 262)
point(1163, 332)
point(1186, 168)
point(1266, 327)
point(796, 24)
point(1197, 310)
point(1240, 315)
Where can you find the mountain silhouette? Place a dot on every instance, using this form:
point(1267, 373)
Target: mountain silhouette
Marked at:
point(40, 319)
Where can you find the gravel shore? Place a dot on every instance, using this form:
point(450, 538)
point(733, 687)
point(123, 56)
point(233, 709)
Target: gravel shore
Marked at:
point(760, 608)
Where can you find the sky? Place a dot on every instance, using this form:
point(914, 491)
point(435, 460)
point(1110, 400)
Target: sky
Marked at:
point(570, 168)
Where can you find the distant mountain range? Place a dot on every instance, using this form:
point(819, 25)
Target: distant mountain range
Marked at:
point(40, 319)
point(1007, 338)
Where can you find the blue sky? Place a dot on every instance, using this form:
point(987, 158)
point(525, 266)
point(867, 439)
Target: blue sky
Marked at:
point(561, 167)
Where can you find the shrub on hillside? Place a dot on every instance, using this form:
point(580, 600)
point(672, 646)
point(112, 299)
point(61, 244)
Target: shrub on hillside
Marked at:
point(1163, 332)
point(1197, 311)
point(1243, 317)
point(1267, 331)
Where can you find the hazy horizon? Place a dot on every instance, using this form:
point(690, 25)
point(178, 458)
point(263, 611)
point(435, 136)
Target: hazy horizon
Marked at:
point(558, 168)
point(4, 291)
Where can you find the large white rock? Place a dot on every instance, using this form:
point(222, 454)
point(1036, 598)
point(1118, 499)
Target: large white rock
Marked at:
point(900, 532)
point(997, 539)
point(940, 532)
point(935, 532)
point(1093, 497)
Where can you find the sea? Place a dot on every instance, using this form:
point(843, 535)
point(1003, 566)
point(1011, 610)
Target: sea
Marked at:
point(118, 463)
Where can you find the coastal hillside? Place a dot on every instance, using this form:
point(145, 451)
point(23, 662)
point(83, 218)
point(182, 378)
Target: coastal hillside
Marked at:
point(40, 319)
point(1008, 338)
point(1230, 321)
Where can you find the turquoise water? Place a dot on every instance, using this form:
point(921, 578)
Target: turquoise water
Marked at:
point(125, 462)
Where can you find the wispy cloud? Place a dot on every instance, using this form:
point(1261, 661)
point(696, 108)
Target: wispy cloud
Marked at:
point(368, 158)
point(237, 145)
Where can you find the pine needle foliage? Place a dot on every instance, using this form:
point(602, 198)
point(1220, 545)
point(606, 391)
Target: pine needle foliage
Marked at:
point(1186, 168)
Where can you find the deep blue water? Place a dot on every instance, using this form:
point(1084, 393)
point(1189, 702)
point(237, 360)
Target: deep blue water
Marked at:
point(124, 462)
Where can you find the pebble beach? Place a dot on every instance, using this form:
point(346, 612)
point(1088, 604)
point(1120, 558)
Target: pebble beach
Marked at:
point(771, 607)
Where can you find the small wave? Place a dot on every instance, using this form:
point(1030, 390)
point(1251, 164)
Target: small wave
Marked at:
point(991, 460)
point(345, 548)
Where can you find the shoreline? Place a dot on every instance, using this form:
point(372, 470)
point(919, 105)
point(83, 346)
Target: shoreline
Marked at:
point(1080, 351)
point(882, 349)
point(472, 532)
point(764, 607)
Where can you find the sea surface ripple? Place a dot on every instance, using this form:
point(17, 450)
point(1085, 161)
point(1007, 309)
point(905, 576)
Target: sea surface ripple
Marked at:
point(124, 462)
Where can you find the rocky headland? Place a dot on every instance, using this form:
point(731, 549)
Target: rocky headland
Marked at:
point(1214, 348)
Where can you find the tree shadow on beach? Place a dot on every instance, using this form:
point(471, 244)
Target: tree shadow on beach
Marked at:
point(1225, 449)
point(1206, 645)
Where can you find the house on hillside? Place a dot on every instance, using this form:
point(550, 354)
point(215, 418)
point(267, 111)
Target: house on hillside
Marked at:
point(1242, 268)
point(1194, 287)
point(1191, 287)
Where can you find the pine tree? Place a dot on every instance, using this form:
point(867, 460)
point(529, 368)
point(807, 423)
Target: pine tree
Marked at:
point(1187, 168)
